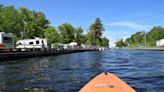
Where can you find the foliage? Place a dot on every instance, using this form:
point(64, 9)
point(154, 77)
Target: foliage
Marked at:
point(97, 28)
point(23, 23)
point(155, 34)
point(56, 45)
point(138, 39)
point(95, 33)
point(10, 20)
point(120, 43)
point(26, 24)
point(84, 39)
point(105, 42)
point(67, 33)
point(51, 35)
point(78, 35)
point(34, 23)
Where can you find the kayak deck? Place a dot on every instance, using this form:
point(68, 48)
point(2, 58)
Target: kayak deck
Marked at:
point(106, 82)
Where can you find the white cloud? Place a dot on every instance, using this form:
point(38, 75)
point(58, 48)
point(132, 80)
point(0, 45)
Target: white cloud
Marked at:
point(112, 41)
point(124, 32)
point(131, 25)
point(151, 18)
point(114, 35)
point(116, 31)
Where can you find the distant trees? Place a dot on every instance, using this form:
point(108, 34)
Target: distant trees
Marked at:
point(67, 33)
point(78, 35)
point(155, 34)
point(104, 42)
point(139, 38)
point(51, 35)
point(120, 43)
point(24, 24)
point(136, 39)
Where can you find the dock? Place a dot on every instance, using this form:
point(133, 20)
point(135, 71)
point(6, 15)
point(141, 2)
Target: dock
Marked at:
point(30, 54)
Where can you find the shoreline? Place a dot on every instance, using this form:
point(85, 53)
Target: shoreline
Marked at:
point(31, 54)
point(148, 48)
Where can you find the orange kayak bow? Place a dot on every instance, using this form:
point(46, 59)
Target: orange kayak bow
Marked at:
point(106, 82)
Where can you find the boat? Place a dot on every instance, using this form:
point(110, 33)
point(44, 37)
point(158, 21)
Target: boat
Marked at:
point(106, 82)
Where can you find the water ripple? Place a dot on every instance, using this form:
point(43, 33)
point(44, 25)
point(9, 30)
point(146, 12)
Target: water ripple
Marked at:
point(143, 70)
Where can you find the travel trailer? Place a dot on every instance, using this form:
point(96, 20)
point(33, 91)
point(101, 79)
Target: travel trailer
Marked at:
point(160, 43)
point(32, 44)
point(6, 41)
point(73, 45)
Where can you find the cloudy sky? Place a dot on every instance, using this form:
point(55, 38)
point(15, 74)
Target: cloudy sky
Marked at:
point(121, 18)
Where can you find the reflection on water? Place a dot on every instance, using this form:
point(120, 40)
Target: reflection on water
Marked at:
point(143, 70)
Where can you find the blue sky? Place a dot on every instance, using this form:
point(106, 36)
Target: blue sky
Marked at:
point(121, 18)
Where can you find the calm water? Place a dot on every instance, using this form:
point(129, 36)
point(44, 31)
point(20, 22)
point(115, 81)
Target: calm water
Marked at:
point(143, 70)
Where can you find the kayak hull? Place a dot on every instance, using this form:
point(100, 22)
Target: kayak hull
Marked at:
point(106, 82)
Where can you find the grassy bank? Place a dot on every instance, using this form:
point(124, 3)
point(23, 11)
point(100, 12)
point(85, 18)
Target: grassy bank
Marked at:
point(148, 48)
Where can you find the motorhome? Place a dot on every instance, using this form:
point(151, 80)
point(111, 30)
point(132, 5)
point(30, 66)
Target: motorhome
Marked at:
point(32, 44)
point(6, 41)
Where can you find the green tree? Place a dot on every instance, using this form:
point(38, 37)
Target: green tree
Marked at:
point(67, 33)
point(34, 23)
point(24, 24)
point(1, 7)
point(10, 20)
point(155, 34)
point(138, 39)
point(1, 22)
point(84, 39)
point(120, 43)
point(78, 35)
point(51, 35)
point(105, 42)
point(95, 33)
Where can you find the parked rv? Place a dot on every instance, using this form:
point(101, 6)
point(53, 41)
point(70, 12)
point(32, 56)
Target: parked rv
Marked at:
point(6, 41)
point(160, 43)
point(73, 45)
point(63, 47)
point(32, 44)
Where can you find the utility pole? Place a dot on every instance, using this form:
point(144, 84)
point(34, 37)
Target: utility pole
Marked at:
point(145, 37)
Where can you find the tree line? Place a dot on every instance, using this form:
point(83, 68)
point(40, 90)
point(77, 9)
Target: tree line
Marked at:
point(143, 38)
point(26, 24)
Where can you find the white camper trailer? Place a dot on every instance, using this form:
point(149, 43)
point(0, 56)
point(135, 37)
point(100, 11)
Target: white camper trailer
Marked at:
point(6, 41)
point(160, 43)
point(32, 44)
